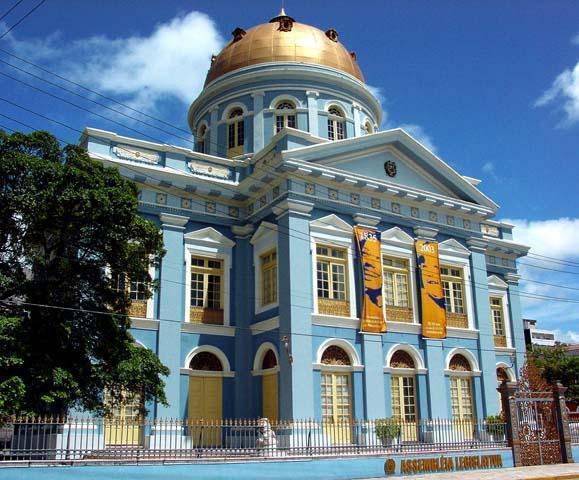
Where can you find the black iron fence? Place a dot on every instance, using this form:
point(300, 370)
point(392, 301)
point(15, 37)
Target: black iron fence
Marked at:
point(69, 439)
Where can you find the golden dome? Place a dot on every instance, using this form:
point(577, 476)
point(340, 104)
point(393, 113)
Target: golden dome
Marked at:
point(283, 40)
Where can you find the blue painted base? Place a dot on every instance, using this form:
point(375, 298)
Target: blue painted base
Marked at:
point(327, 469)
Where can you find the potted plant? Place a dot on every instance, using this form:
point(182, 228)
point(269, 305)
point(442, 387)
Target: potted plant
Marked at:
point(388, 431)
point(495, 426)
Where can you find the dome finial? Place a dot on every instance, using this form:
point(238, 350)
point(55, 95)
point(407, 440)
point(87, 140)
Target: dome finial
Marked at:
point(282, 13)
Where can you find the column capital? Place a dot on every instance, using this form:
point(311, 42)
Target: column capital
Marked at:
point(477, 244)
point(170, 220)
point(357, 106)
point(312, 93)
point(242, 231)
point(427, 233)
point(297, 207)
point(364, 220)
point(258, 93)
point(214, 108)
point(512, 278)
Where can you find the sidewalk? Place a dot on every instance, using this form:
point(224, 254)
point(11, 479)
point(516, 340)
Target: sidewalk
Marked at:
point(565, 471)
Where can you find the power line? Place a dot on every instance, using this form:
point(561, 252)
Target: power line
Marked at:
point(10, 9)
point(24, 17)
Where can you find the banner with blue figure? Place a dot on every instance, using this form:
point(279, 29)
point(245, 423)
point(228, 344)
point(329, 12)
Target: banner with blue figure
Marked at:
point(431, 293)
point(368, 243)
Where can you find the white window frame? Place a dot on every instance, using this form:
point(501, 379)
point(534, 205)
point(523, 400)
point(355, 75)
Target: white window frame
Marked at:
point(151, 300)
point(499, 288)
point(209, 243)
point(397, 243)
point(453, 254)
point(285, 113)
point(333, 231)
point(264, 240)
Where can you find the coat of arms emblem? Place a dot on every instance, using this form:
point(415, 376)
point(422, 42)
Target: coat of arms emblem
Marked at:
point(390, 168)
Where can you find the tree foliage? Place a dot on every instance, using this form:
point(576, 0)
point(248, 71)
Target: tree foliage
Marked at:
point(556, 365)
point(66, 222)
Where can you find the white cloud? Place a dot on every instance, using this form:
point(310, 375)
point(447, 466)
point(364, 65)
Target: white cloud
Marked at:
point(489, 167)
point(419, 134)
point(170, 63)
point(566, 337)
point(554, 305)
point(565, 92)
point(557, 238)
point(575, 39)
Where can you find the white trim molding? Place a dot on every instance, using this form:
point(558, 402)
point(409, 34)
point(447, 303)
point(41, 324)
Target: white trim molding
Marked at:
point(210, 349)
point(344, 345)
point(466, 354)
point(260, 353)
point(209, 243)
point(207, 329)
point(499, 288)
point(264, 240)
point(508, 369)
point(419, 369)
point(264, 326)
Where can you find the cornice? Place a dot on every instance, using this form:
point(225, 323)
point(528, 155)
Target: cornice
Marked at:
point(242, 231)
point(512, 278)
point(427, 233)
point(296, 207)
point(365, 220)
point(477, 244)
point(168, 219)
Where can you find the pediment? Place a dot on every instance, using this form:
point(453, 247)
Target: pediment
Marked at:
point(453, 248)
point(417, 168)
point(265, 229)
point(397, 235)
point(497, 282)
point(208, 236)
point(331, 223)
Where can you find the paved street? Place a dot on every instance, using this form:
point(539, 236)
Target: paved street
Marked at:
point(541, 472)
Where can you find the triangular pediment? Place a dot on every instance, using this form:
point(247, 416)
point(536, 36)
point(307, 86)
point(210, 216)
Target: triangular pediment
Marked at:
point(265, 229)
point(208, 236)
point(452, 247)
point(397, 235)
point(411, 166)
point(497, 282)
point(331, 223)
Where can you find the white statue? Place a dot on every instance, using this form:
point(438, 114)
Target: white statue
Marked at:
point(266, 437)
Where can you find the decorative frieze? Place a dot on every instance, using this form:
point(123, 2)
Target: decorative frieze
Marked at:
point(329, 306)
point(138, 308)
point(208, 170)
point(399, 314)
point(161, 198)
point(490, 230)
point(205, 315)
point(129, 152)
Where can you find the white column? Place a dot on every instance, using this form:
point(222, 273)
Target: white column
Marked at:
point(213, 131)
point(313, 112)
point(357, 122)
point(258, 133)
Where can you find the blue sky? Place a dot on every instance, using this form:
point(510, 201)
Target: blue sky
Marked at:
point(492, 87)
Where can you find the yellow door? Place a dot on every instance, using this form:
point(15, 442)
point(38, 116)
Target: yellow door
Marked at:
point(337, 407)
point(462, 407)
point(204, 408)
point(404, 406)
point(123, 426)
point(269, 397)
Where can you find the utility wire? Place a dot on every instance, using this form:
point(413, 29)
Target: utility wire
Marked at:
point(10, 9)
point(24, 17)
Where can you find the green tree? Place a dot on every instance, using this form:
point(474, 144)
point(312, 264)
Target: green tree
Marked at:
point(66, 222)
point(556, 365)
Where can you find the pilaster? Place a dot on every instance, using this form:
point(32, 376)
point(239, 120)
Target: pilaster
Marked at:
point(563, 423)
point(313, 112)
point(244, 311)
point(356, 108)
point(296, 386)
point(214, 131)
point(480, 295)
point(258, 123)
point(374, 392)
point(171, 309)
point(435, 380)
point(516, 318)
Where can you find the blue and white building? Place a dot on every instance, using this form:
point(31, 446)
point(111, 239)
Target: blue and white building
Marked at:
point(258, 310)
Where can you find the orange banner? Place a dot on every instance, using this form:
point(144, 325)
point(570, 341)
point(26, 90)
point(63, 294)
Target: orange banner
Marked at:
point(368, 243)
point(431, 293)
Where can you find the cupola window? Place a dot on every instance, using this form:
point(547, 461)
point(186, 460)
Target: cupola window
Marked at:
point(368, 128)
point(235, 133)
point(201, 133)
point(285, 115)
point(336, 127)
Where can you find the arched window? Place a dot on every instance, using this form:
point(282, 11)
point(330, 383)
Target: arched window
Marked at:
point(461, 399)
point(235, 133)
point(502, 375)
point(201, 133)
point(269, 360)
point(336, 394)
point(206, 361)
point(403, 393)
point(336, 124)
point(285, 115)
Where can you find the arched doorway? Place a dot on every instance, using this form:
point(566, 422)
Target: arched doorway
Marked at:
point(403, 393)
point(336, 392)
point(269, 386)
point(461, 398)
point(205, 399)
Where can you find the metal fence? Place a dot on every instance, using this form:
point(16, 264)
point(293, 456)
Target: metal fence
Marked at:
point(574, 427)
point(86, 439)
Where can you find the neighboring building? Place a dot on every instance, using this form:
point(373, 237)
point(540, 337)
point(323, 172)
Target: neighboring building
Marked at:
point(259, 306)
point(572, 350)
point(535, 336)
